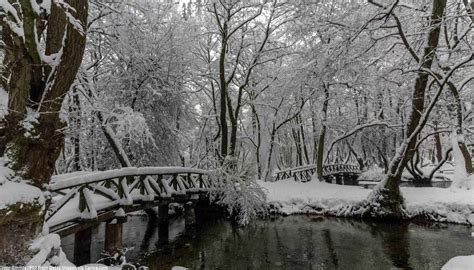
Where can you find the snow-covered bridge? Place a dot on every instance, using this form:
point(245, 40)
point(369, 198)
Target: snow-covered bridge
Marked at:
point(81, 200)
point(339, 172)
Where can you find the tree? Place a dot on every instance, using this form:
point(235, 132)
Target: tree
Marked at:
point(386, 200)
point(44, 44)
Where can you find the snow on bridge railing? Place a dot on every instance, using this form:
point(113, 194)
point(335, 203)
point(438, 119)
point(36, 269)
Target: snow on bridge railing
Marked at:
point(108, 190)
point(80, 178)
point(305, 172)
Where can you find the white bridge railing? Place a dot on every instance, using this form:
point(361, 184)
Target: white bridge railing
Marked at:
point(304, 173)
point(83, 195)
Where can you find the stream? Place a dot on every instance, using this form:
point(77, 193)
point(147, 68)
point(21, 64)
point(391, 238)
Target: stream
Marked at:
point(294, 242)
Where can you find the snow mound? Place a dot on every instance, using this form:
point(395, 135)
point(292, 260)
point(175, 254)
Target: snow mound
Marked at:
point(16, 192)
point(460, 263)
point(314, 197)
point(48, 252)
point(12, 193)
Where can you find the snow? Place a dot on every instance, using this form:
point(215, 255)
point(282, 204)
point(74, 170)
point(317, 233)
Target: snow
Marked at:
point(69, 203)
point(16, 192)
point(48, 252)
point(76, 179)
point(444, 174)
point(460, 263)
point(461, 179)
point(3, 103)
point(372, 174)
point(437, 204)
point(28, 124)
point(91, 212)
point(16, 25)
point(120, 213)
point(179, 268)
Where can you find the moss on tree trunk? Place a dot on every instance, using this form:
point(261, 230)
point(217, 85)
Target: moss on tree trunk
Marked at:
point(19, 224)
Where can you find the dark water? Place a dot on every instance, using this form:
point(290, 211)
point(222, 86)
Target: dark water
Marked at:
point(295, 242)
point(440, 184)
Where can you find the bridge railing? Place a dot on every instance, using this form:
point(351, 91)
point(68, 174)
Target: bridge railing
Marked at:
point(304, 173)
point(121, 187)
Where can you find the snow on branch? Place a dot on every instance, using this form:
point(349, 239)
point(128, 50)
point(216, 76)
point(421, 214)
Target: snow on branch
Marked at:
point(357, 129)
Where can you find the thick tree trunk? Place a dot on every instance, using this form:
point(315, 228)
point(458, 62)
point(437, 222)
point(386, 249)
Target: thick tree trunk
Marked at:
point(388, 196)
point(36, 90)
point(33, 156)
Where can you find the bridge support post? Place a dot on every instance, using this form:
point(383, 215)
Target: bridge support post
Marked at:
point(113, 235)
point(82, 247)
point(339, 179)
point(190, 213)
point(163, 223)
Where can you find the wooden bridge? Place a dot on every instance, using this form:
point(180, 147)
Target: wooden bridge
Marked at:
point(81, 200)
point(83, 197)
point(340, 173)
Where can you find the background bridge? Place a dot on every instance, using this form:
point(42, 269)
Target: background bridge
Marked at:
point(340, 173)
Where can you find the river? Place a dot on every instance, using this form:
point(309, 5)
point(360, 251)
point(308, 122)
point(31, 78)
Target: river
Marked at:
point(294, 242)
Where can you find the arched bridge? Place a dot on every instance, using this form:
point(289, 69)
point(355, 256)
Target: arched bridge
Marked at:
point(337, 172)
point(83, 199)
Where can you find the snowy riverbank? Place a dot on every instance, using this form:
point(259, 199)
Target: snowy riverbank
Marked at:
point(437, 204)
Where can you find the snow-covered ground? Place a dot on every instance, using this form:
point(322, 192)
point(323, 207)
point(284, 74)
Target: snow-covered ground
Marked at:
point(438, 204)
point(460, 263)
point(376, 174)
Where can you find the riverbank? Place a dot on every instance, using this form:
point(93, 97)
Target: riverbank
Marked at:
point(436, 204)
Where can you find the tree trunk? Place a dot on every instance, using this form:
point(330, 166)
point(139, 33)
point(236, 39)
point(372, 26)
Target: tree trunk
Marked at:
point(322, 136)
point(76, 137)
point(438, 147)
point(223, 94)
point(388, 195)
point(459, 129)
point(36, 91)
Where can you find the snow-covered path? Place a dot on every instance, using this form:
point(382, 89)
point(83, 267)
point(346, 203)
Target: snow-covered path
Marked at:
point(444, 205)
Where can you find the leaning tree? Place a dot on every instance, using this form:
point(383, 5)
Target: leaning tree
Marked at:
point(43, 45)
point(386, 200)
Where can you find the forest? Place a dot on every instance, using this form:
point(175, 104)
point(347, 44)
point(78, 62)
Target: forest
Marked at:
point(327, 108)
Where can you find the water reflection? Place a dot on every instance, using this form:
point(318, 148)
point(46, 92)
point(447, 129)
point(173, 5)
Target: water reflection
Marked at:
point(396, 244)
point(300, 242)
point(295, 242)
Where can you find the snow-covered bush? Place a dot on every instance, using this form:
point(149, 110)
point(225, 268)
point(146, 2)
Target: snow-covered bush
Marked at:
point(236, 188)
point(48, 252)
point(129, 124)
point(117, 258)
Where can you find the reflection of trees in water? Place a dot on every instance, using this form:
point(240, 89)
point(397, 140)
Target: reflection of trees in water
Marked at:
point(149, 232)
point(395, 242)
point(330, 246)
point(290, 243)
